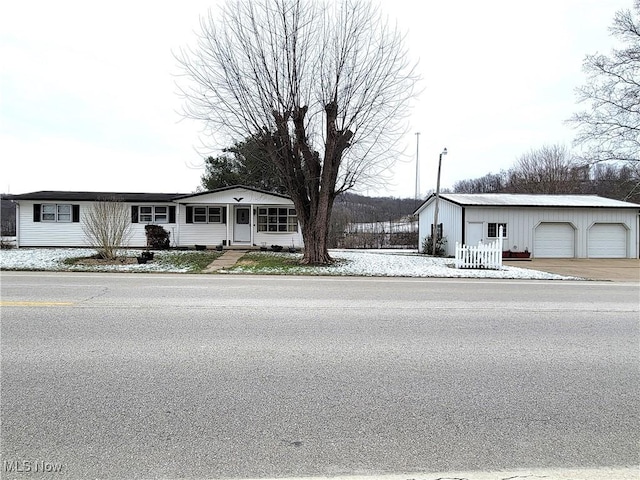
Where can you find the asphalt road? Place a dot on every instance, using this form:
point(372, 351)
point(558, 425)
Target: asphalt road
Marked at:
point(194, 376)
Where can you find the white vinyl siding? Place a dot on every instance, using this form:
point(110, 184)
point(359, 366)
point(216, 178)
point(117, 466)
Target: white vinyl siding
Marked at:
point(607, 240)
point(522, 221)
point(212, 234)
point(449, 216)
point(68, 233)
point(554, 240)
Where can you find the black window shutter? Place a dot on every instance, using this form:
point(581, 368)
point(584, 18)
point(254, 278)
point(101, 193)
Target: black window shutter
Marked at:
point(189, 218)
point(36, 212)
point(75, 213)
point(172, 214)
point(224, 214)
point(134, 214)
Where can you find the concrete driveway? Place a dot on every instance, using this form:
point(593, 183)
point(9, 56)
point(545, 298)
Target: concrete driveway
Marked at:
point(613, 269)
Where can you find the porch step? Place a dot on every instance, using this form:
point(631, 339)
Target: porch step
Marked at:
point(227, 259)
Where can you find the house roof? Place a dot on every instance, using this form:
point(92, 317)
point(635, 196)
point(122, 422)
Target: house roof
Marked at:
point(190, 195)
point(529, 200)
point(53, 195)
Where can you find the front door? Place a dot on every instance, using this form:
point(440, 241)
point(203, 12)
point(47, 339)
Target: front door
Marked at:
point(242, 225)
point(475, 232)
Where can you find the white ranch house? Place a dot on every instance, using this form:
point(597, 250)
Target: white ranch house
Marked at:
point(548, 226)
point(234, 217)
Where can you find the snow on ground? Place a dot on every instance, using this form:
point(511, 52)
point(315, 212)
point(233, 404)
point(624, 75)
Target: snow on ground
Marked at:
point(53, 258)
point(371, 263)
point(403, 263)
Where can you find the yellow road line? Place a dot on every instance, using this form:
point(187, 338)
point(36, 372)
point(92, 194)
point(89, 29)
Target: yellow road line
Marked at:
point(35, 304)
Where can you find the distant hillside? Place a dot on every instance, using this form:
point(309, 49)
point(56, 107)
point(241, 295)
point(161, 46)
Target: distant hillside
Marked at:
point(351, 211)
point(359, 208)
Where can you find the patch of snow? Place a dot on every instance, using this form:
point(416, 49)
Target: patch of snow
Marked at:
point(52, 259)
point(400, 263)
point(370, 263)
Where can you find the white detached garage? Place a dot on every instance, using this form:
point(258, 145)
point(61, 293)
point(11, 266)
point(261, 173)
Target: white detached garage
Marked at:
point(548, 226)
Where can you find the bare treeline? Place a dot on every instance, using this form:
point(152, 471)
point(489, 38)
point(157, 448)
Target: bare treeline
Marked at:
point(554, 170)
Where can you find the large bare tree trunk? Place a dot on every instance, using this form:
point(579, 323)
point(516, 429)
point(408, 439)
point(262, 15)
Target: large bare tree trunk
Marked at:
point(316, 234)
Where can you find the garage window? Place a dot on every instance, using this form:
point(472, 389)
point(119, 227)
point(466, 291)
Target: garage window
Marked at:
point(494, 228)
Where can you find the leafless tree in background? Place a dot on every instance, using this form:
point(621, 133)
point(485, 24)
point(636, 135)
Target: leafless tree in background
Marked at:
point(489, 183)
point(554, 170)
point(609, 128)
point(550, 169)
point(324, 86)
point(107, 226)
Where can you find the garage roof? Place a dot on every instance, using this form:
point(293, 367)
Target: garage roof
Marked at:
point(527, 200)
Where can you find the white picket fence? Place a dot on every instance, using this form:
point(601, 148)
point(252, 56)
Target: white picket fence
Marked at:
point(484, 255)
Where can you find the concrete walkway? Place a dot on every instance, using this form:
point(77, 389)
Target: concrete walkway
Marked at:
point(227, 259)
point(613, 269)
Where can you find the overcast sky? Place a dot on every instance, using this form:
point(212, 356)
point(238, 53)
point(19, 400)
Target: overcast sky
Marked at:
point(88, 100)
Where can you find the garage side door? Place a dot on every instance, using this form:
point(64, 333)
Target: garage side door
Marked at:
point(554, 240)
point(607, 240)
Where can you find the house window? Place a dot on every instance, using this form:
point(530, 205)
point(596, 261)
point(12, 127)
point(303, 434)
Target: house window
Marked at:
point(277, 219)
point(161, 215)
point(207, 214)
point(146, 214)
point(494, 228)
point(154, 214)
point(56, 213)
point(439, 230)
point(215, 214)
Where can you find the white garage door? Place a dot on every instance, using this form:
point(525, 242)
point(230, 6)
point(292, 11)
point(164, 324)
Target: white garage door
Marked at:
point(607, 240)
point(554, 240)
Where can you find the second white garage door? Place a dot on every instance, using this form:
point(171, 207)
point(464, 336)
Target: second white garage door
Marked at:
point(607, 240)
point(554, 240)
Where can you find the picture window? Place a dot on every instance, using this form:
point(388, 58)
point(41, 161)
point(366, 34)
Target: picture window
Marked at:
point(277, 219)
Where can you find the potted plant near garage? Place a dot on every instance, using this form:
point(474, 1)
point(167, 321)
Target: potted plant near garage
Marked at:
point(513, 254)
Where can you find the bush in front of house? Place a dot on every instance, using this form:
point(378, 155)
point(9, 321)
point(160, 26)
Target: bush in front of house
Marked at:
point(441, 244)
point(157, 237)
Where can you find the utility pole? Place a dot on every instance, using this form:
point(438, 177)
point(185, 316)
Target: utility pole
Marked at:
point(415, 198)
point(434, 233)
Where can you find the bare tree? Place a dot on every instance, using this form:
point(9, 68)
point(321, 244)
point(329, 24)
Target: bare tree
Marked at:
point(325, 88)
point(621, 182)
point(550, 169)
point(489, 183)
point(609, 127)
point(107, 226)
